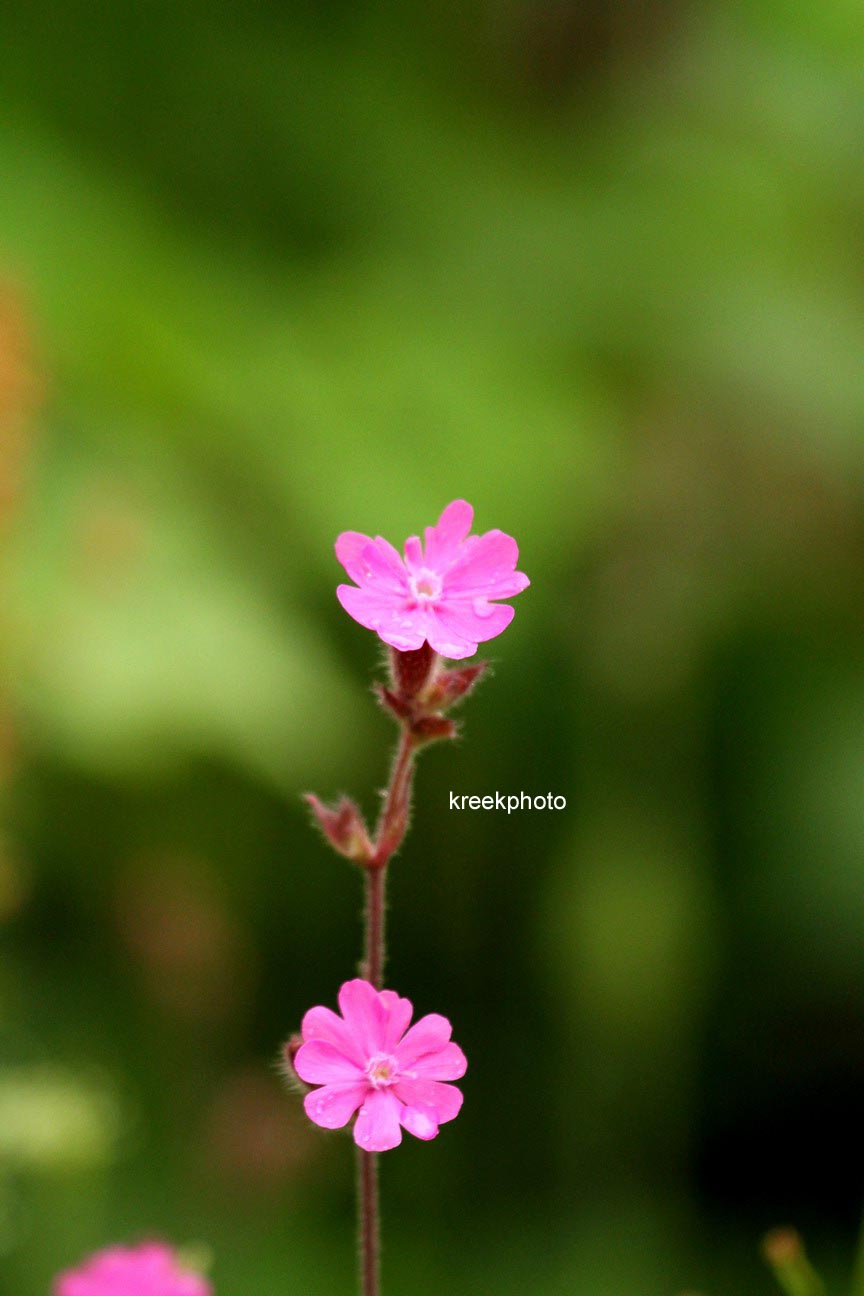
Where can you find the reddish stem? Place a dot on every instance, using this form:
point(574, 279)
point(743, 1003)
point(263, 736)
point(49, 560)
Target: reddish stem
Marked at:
point(373, 963)
point(368, 1223)
point(393, 823)
point(392, 826)
point(390, 833)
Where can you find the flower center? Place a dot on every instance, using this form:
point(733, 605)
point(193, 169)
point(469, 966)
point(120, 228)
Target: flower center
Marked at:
point(425, 585)
point(381, 1070)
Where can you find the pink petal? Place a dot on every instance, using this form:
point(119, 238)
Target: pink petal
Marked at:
point(504, 587)
point(430, 1035)
point(386, 562)
point(333, 1106)
point(392, 555)
point(383, 612)
point(413, 553)
point(444, 1099)
point(377, 1126)
point(476, 620)
point(365, 1014)
point(399, 1013)
point(486, 565)
point(147, 1270)
point(324, 1024)
point(402, 640)
point(443, 540)
point(369, 562)
point(71, 1284)
point(321, 1063)
point(445, 640)
point(420, 1121)
point(190, 1285)
point(448, 1063)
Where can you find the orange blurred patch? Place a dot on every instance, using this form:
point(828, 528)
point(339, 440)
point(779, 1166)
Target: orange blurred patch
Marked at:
point(17, 398)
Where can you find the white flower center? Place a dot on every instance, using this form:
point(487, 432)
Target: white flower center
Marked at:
point(382, 1070)
point(425, 585)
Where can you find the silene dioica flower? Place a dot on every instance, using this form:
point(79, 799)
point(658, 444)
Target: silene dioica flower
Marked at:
point(151, 1269)
point(440, 593)
point(369, 1059)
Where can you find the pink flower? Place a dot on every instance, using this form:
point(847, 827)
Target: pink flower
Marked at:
point(440, 594)
point(368, 1059)
point(150, 1269)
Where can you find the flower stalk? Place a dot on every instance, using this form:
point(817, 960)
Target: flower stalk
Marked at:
point(368, 1223)
point(392, 826)
point(440, 601)
point(419, 691)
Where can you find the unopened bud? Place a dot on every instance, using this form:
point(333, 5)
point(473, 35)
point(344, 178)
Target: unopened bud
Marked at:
point(391, 702)
point(410, 670)
point(343, 826)
point(450, 686)
point(289, 1052)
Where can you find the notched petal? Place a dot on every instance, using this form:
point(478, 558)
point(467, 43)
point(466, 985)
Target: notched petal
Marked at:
point(332, 1106)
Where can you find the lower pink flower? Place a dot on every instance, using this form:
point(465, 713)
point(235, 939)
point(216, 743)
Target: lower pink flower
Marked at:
point(147, 1270)
point(368, 1061)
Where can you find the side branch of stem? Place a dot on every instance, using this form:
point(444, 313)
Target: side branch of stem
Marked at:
point(393, 821)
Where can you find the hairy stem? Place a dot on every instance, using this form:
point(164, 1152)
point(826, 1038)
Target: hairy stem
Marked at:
point(368, 1223)
point(393, 822)
point(391, 830)
point(376, 889)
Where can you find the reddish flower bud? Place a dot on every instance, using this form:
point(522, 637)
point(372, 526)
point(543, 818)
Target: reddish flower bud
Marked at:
point(389, 700)
point(410, 670)
point(343, 827)
point(289, 1071)
point(450, 686)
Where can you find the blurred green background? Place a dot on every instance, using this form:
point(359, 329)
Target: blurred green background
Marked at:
point(273, 271)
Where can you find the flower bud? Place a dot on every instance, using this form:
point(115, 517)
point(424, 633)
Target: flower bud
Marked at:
point(450, 686)
point(289, 1051)
point(411, 670)
point(343, 827)
point(393, 703)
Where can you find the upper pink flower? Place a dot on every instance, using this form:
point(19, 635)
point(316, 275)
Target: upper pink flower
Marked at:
point(368, 1059)
point(150, 1269)
point(440, 594)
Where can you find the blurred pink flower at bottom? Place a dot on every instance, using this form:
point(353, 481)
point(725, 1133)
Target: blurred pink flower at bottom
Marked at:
point(150, 1269)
